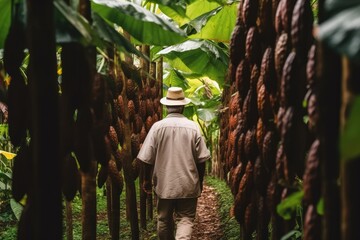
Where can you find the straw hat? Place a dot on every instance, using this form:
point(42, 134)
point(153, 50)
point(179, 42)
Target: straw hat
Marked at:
point(175, 97)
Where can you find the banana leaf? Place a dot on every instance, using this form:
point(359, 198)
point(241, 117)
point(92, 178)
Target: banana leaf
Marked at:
point(5, 20)
point(199, 56)
point(140, 23)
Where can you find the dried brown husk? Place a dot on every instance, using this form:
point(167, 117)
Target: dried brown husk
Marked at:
point(312, 178)
point(253, 48)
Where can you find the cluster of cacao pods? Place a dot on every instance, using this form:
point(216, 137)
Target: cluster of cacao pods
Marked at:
point(263, 134)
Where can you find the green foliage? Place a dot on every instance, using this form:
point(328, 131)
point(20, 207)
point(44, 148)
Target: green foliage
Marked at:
point(292, 235)
point(5, 13)
point(287, 208)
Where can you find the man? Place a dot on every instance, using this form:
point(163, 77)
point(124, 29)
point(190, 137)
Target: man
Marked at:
point(176, 150)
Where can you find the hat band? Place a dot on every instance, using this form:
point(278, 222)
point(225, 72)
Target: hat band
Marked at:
point(181, 98)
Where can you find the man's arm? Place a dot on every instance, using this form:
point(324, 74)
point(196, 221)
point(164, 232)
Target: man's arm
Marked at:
point(201, 170)
point(147, 185)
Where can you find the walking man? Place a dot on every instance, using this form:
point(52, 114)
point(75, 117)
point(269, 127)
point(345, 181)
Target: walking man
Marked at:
point(176, 150)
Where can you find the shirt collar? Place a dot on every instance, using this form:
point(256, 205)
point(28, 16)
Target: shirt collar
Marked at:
point(170, 115)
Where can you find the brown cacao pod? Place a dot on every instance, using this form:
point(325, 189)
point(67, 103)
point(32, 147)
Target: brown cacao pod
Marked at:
point(142, 109)
point(260, 133)
point(240, 148)
point(149, 107)
point(138, 124)
point(114, 141)
point(269, 149)
point(261, 176)
point(255, 73)
point(143, 134)
point(263, 103)
point(250, 219)
point(286, 14)
point(279, 164)
point(265, 24)
point(131, 109)
point(119, 156)
point(115, 176)
point(236, 176)
point(250, 145)
point(130, 89)
point(233, 121)
point(312, 224)
point(253, 49)
point(278, 21)
point(237, 46)
point(313, 112)
point(310, 66)
point(148, 123)
point(243, 79)
point(234, 104)
point(288, 88)
point(120, 107)
point(301, 28)
point(249, 12)
point(281, 52)
point(267, 71)
point(311, 178)
point(135, 145)
point(250, 107)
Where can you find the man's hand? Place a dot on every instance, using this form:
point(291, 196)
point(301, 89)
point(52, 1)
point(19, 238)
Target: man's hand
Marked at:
point(147, 186)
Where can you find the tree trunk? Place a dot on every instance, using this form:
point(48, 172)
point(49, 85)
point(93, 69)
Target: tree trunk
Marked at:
point(350, 191)
point(329, 75)
point(47, 197)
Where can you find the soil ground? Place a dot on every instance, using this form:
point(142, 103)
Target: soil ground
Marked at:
point(207, 221)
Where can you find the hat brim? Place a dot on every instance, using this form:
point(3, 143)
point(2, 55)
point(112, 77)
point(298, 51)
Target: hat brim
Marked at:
point(167, 102)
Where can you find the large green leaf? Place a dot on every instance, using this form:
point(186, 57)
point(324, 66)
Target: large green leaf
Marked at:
point(16, 208)
point(72, 27)
point(350, 139)
point(217, 26)
point(5, 20)
point(198, 56)
point(178, 6)
point(175, 78)
point(109, 34)
point(207, 114)
point(193, 10)
point(142, 24)
point(195, 25)
point(341, 32)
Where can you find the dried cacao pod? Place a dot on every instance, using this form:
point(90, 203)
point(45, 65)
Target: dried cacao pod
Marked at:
point(143, 134)
point(267, 71)
point(142, 109)
point(286, 14)
point(312, 224)
point(233, 121)
point(250, 145)
point(240, 148)
point(301, 27)
point(288, 122)
point(253, 49)
point(269, 149)
point(263, 103)
point(119, 80)
point(130, 89)
point(261, 177)
point(148, 123)
point(250, 219)
point(311, 178)
point(266, 27)
point(279, 164)
point(234, 103)
point(281, 52)
point(138, 124)
point(278, 21)
point(279, 118)
point(243, 123)
point(237, 46)
point(136, 164)
point(260, 133)
point(113, 138)
point(119, 157)
point(310, 66)
point(313, 112)
point(288, 88)
point(149, 107)
point(249, 12)
point(115, 176)
point(135, 145)
point(154, 92)
point(120, 107)
point(132, 110)
point(243, 79)
point(255, 73)
point(250, 107)
point(236, 176)
point(263, 218)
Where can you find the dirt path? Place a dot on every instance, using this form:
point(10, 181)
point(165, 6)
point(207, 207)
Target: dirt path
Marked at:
point(207, 222)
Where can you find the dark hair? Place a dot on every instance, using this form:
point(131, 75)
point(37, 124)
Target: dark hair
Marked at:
point(175, 109)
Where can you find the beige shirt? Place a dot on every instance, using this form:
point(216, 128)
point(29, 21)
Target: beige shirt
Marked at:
point(174, 146)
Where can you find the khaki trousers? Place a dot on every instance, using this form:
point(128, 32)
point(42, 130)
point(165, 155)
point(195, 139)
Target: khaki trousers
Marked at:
point(183, 211)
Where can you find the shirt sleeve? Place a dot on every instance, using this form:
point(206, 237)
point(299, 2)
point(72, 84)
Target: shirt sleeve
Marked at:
point(148, 150)
point(202, 151)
